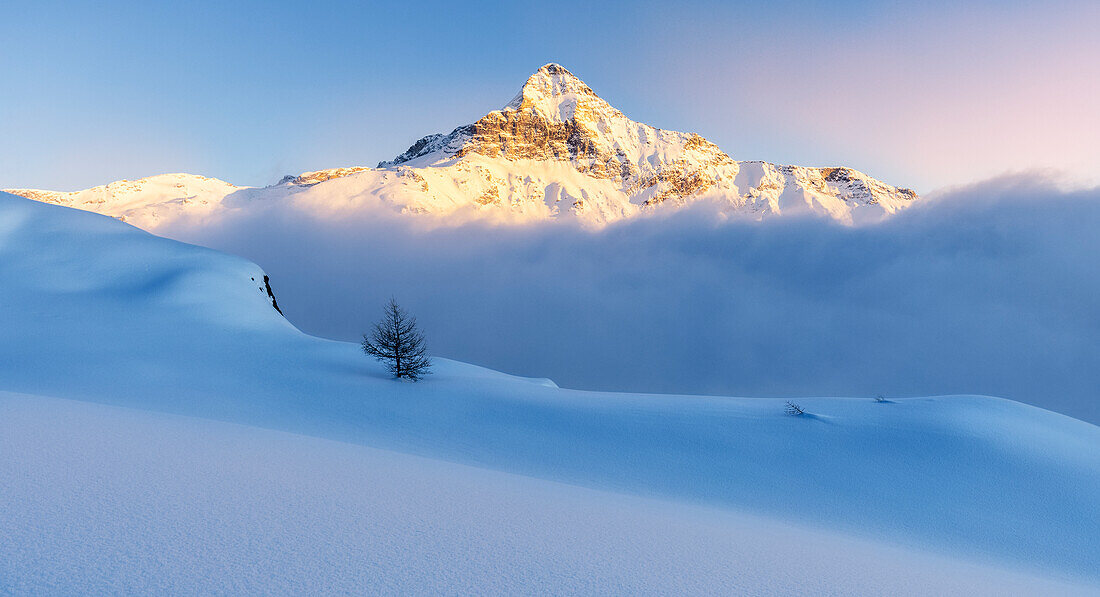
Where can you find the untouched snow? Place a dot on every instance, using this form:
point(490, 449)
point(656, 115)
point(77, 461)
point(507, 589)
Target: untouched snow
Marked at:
point(97, 311)
point(114, 500)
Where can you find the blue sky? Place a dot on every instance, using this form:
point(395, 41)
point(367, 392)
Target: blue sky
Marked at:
point(924, 96)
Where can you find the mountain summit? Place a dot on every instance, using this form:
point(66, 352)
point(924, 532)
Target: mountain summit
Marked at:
point(551, 117)
point(555, 151)
point(555, 93)
point(556, 117)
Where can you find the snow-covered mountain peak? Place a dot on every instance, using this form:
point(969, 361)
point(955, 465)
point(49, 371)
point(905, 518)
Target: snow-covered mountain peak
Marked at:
point(556, 116)
point(555, 93)
point(556, 151)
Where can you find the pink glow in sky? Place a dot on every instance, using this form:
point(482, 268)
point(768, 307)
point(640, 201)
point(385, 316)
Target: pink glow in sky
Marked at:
point(923, 98)
point(924, 95)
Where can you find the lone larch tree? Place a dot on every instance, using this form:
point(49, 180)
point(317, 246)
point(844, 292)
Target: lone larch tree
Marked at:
point(399, 343)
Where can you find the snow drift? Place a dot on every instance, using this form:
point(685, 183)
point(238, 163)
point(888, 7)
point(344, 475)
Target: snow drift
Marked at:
point(109, 500)
point(95, 310)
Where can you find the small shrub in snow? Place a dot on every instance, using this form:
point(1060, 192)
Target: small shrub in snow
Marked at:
point(397, 342)
point(880, 398)
point(793, 409)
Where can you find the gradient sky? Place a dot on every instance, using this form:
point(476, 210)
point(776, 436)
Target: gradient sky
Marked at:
point(926, 95)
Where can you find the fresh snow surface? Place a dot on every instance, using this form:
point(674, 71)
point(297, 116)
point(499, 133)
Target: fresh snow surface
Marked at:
point(625, 492)
point(111, 500)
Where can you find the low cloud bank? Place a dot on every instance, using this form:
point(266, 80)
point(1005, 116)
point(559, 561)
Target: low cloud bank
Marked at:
point(988, 289)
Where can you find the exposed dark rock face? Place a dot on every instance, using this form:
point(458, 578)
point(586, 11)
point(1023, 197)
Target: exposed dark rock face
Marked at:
point(271, 295)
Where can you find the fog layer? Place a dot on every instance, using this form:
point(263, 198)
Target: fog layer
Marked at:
point(989, 289)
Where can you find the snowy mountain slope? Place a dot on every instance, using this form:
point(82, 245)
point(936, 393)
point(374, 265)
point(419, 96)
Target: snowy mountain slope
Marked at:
point(556, 151)
point(95, 310)
point(114, 500)
point(148, 200)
